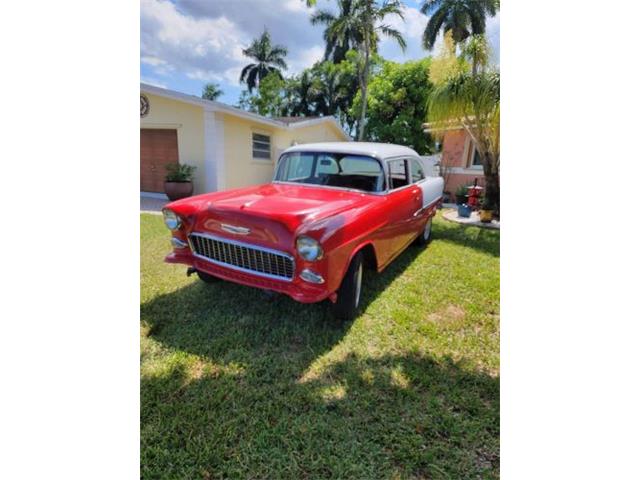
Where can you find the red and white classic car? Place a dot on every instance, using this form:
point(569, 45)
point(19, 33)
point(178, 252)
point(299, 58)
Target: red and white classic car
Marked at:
point(331, 209)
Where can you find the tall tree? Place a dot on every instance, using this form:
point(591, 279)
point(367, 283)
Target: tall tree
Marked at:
point(473, 102)
point(342, 33)
point(268, 59)
point(461, 17)
point(398, 105)
point(304, 92)
point(369, 22)
point(211, 91)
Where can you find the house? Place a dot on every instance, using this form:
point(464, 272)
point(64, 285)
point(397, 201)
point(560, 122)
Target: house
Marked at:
point(460, 162)
point(229, 147)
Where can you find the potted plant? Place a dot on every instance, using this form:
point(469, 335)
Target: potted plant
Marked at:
point(464, 210)
point(178, 181)
point(486, 211)
point(461, 194)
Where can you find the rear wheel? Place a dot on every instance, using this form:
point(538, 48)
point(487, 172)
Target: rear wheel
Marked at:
point(425, 236)
point(348, 300)
point(205, 277)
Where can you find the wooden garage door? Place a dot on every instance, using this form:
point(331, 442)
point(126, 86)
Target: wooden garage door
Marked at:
point(157, 148)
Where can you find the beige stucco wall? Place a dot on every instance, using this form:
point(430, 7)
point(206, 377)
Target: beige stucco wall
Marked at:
point(239, 166)
point(323, 132)
point(241, 169)
point(231, 142)
point(188, 120)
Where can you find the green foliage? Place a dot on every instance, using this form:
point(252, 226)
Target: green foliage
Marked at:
point(473, 103)
point(446, 64)
point(397, 105)
point(269, 59)
point(270, 100)
point(342, 33)
point(179, 172)
point(211, 91)
point(460, 17)
point(234, 385)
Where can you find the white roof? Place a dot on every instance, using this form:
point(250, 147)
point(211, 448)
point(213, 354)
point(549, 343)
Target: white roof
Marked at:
point(378, 150)
point(223, 107)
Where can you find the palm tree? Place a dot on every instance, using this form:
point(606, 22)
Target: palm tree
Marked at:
point(369, 18)
point(211, 91)
point(341, 34)
point(462, 17)
point(305, 92)
point(269, 59)
point(473, 102)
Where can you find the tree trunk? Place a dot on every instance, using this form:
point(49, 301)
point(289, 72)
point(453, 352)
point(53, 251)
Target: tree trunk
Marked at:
point(363, 89)
point(492, 183)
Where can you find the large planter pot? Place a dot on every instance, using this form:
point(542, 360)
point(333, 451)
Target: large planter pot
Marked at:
point(486, 215)
point(178, 190)
point(464, 211)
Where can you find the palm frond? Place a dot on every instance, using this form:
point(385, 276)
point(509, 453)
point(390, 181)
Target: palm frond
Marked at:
point(430, 34)
point(395, 34)
point(245, 71)
point(322, 16)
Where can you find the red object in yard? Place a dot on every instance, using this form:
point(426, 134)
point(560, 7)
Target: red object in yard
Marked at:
point(473, 195)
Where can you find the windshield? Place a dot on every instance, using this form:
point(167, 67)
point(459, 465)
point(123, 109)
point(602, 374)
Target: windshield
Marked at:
point(331, 169)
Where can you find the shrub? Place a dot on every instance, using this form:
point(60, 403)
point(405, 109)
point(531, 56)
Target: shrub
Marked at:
point(179, 172)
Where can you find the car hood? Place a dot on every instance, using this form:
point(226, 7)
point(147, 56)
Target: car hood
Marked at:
point(292, 205)
point(273, 212)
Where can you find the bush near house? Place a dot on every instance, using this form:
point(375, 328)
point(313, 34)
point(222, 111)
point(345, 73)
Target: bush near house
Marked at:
point(238, 385)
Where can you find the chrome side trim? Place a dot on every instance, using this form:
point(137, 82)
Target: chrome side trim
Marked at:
point(246, 245)
point(422, 209)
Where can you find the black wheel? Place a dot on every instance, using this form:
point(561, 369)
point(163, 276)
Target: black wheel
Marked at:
point(425, 236)
point(205, 277)
point(349, 292)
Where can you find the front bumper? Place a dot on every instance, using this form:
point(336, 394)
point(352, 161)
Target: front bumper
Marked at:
point(297, 288)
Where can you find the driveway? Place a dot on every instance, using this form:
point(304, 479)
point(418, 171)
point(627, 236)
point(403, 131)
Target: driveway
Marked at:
point(152, 204)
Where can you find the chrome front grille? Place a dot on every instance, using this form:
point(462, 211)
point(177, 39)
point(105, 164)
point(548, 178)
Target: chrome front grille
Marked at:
point(243, 256)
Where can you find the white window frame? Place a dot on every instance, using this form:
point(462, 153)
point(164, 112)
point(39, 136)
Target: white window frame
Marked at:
point(264, 134)
point(471, 153)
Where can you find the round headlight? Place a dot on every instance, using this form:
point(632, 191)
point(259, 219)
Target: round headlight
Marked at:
point(308, 248)
point(171, 220)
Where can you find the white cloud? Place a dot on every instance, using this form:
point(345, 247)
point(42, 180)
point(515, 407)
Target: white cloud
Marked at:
point(493, 36)
point(203, 40)
point(153, 81)
point(411, 29)
point(306, 58)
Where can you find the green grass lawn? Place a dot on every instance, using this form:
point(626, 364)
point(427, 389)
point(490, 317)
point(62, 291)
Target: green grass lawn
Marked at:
point(238, 385)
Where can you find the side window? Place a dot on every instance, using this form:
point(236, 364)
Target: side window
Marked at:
point(398, 175)
point(417, 171)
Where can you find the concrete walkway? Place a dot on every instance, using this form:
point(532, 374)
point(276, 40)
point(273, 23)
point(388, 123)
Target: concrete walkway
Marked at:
point(474, 219)
point(152, 204)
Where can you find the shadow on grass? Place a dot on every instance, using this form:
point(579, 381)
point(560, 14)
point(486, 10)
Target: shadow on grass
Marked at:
point(263, 404)
point(481, 239)
point(393, 416)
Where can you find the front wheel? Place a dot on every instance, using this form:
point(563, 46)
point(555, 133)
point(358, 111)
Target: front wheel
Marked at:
point(349, 292)
point(425, 236)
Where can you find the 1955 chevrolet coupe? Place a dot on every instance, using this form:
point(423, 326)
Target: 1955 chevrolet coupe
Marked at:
point(331, 209)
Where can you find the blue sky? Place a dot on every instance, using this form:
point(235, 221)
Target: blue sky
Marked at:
point(187, 43)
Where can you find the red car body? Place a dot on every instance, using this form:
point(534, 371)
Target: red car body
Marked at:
point(271, 217)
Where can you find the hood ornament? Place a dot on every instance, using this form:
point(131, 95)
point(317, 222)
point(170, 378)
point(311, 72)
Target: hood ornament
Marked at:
point(235, 229)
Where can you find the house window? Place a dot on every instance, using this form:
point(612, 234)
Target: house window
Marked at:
point(261, 146)
point(474, 161)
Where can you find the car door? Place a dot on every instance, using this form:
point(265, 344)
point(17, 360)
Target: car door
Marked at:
point(403, 200)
